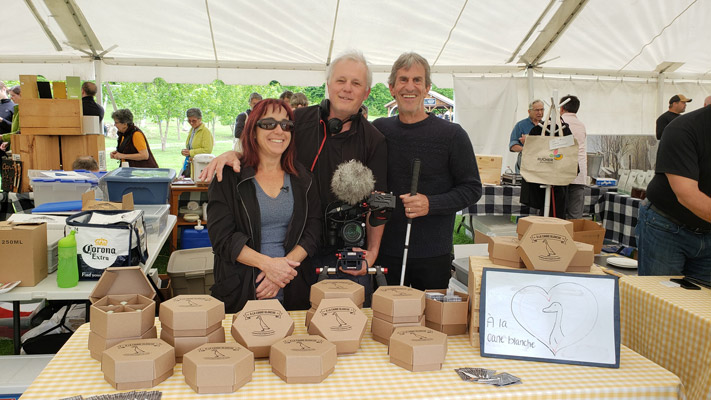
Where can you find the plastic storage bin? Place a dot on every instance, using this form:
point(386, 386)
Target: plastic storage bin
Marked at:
point(155, 217)
point(52, 186)
point(192, 238)
point(148, 185)
point(190, 271)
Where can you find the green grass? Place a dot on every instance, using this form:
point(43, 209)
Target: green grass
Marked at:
point(6, 347)
point(462, 237)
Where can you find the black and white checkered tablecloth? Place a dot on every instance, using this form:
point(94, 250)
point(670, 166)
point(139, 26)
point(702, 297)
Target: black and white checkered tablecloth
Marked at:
point(504, 200)
point(11, 203)
point(619, 217)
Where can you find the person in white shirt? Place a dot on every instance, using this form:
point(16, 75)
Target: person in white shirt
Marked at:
point(575, 197)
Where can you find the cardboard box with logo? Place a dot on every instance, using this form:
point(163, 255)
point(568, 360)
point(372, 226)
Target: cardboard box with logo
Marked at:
point(547, 244)
point(583, 259)
point(450, 318)
point(122, 308)
point(418, 349)
point(526, 222)
point(340, 322)
point(590, 232)
point(303, 358)
point(260, 324)
point(24, 251)
point(185, 344)
point(382, 329)
point(218, 367)
point(335, 289)
point(503, 250)
point(398, 304)
point(188, 321)
point(138, 364)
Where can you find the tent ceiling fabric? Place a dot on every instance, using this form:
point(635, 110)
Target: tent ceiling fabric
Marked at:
point(290, 41)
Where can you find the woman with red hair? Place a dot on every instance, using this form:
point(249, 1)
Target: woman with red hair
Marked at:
point(264, 220)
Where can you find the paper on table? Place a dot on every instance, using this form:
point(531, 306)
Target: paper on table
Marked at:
point(107, 219)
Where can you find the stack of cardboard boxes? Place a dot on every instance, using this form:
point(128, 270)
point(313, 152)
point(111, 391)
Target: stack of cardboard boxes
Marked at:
point(334, 289)
point(396, 306)
point(188, 321)
point(260, 324)
point(122, 309)
point(138, 363)
point(218, 367)
point(418, 348)
point(340, 322)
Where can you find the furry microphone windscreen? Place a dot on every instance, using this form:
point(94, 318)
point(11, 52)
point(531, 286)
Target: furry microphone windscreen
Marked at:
point(352, 182)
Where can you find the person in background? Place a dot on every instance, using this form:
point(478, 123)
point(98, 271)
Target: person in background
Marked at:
point(15, 95)
point(575, 196)
point(523, 127)
point(254, 98)
point(6, 109)
point(674, 223)
point(265, 219)
point(87, 163)
point(707, 101)
point(677, 105)
point(132, 145)
point(364, 111)
point(286, 96)
point(88, 104)
point(448, 182)
point(299, 100)
point(199, 141)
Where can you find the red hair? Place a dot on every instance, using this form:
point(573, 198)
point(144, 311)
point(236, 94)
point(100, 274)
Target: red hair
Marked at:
point(250, 148)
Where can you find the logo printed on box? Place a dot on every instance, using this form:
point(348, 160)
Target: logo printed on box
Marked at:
point(544, 238)
point(417, 334)
point(301, 342)
point(134, 350)
point(191, 301)
point(398, 291)
point(342, 325)
point(214, 353)
point(259, 315)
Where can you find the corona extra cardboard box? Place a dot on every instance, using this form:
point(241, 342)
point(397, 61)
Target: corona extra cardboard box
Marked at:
point(303, 358)
point(337, 289)
point(122, 304)
point(218, 367)
point(418, 349)
point(398, 304)
point(260, 324)
point(382, 329)
point(24, 251)
point(138, 364)
point(191, 315)
point(447, 317)
point(340, 322)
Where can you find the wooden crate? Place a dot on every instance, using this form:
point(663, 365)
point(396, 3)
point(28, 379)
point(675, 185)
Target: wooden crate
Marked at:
point(51, 116)
point(489, 168)
point(36, 152)
point(85, 145)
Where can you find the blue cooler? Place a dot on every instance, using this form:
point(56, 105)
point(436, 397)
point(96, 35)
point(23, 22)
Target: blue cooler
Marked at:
point(192, 238)
point(148, 185)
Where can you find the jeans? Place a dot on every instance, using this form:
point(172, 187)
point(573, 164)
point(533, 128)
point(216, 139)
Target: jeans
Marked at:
point(665, 248)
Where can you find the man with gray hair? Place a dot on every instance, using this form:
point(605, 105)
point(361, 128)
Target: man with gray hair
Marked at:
point(327, 135)
point(449, 179)
point(254, 98)
point(522, 127)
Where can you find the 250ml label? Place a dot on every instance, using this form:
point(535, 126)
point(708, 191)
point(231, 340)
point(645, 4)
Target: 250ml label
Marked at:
point(11, 241)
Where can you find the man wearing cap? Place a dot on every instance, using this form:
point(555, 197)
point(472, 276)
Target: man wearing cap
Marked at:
point(677, 105)
point(674, 224)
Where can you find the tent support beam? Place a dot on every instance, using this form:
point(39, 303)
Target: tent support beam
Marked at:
point(449, 36)
point(44, 26)
point(660, 93)
point(530, 31)
point(212, 37)
point(550, 34)
point(333, 33)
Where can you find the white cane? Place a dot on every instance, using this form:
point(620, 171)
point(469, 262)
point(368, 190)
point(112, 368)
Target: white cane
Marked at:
point(413, 192)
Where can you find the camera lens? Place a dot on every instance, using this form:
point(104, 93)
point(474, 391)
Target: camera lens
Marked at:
point(352, 232)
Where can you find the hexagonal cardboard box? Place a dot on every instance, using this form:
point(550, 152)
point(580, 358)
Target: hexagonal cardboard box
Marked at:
point(260, 324)
point(398, 304)
point(418, 348)
point(138, 364)
point(547, 246)
point(303, 358)
point(218, 367)
point(340, 322)
point(524, 223)
point(191, 315)
point(337, 289)
point(184, 344)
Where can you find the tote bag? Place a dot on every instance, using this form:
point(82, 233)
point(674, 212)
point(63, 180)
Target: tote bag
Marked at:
point(546, 163)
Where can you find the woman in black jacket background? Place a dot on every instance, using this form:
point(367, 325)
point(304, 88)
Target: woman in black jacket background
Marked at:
point(264, 220)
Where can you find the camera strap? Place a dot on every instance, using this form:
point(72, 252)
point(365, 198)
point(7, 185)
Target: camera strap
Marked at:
point(322, 143)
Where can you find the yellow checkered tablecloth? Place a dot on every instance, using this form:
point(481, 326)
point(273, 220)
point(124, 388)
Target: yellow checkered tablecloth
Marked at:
point(368, 374)
point(670, 326)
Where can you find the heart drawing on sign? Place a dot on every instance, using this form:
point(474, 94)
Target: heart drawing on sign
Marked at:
point(559, 317)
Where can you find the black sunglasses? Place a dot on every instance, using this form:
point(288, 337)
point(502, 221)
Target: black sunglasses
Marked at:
point(270, 124)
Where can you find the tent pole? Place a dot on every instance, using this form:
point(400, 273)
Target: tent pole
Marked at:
point(529, 75)
point(99, 83)
point(660, 93)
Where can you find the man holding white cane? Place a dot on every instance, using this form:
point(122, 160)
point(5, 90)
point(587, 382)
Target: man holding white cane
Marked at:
point(448, 182)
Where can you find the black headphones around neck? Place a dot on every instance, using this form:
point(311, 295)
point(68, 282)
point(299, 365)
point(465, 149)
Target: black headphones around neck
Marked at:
point(334, 125)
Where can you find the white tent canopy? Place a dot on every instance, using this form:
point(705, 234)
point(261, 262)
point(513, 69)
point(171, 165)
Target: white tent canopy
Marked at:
point(623, 58)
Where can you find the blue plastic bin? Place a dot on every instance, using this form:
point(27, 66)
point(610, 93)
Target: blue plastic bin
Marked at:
point(148, 185)
point(192, 238)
